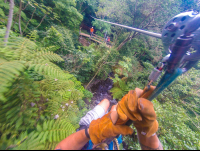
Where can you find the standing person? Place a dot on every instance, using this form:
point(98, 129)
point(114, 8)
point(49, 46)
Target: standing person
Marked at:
point(108, 40)
point(105, 37)
point(98, 126)
point(91, 31)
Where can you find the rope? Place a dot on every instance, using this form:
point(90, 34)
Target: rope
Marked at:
point(117, 144)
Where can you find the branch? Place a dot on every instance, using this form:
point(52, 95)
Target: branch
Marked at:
point(26, 6)
point(124, 42)
point(98, 70)
point(148, 23)
point(95, 75)
point(157, 8)
point(29, 20)
point(135, 13)
point(80, 6)
point(136, 6)
point(84, 9)
point(41, 20)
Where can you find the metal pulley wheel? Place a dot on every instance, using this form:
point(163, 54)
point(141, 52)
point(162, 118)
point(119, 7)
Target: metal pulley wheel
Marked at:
point(177, 26)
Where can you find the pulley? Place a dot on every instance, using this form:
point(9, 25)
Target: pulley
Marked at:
point(177, 26)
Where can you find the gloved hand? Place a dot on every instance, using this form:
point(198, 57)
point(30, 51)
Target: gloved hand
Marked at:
point(103, 128)
point(134, 106)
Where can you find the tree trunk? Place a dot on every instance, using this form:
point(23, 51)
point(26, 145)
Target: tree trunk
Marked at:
point(10, 18)
point(123, 43)
point(126, 40)
point(20, 10)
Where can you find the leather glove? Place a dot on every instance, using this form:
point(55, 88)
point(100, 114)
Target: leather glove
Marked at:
point(103, 128)
point(134, 106)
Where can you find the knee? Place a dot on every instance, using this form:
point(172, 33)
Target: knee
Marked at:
point(105, 103)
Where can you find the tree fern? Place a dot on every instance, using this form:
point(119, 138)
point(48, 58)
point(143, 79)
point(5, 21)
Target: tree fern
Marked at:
point(2, 12)
point(46, 136)
point(4, 5)
point(33, 90)
point(17, 110)
point(61, 95)
point(48, 55)
point(45, 67)
point(8, 74)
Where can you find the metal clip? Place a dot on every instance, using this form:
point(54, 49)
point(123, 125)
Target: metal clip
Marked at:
point(155, 74)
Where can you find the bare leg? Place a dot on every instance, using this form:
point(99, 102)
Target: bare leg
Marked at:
point(105, 103)
point(97, 112)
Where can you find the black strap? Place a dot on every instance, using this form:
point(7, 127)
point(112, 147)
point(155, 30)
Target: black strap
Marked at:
point(86, 133)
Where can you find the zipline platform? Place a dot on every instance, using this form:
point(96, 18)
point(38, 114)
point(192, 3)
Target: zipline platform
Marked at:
point(96, 38)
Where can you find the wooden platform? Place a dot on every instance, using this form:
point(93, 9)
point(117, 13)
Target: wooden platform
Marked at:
point(96, 38)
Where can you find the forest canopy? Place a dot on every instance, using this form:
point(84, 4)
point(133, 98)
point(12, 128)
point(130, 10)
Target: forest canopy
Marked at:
point(47, 68)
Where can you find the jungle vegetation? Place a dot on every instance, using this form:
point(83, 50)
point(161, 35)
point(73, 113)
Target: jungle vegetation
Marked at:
point(45, 70)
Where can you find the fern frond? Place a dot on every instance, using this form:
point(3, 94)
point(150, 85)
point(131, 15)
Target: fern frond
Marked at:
point(27, 142)
point(48, 55)
point(45, 67)
point(46, 136)
point(4, 5)
point(2, 13)
point(8, 73)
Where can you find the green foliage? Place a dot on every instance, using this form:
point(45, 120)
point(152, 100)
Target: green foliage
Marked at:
point(130, 81)
point(189, 4)
point(11, 69)
point(120, 88)
point(45, 136)
point(101, 28)
point(33, 90)
point(52, 37)
point(41, 14)
point(67, 13)
point(42, 102)
point(60, 38)
point(175, 134)
point(86, 61)
point(88, 94)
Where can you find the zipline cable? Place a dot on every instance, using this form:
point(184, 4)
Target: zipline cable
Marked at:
point(156, 35)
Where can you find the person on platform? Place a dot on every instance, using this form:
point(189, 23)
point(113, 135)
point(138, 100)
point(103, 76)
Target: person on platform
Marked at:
point(91, 31)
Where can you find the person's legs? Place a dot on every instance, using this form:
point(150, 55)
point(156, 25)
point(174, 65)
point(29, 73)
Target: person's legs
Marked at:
point(105, 103)
point(97, 112)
